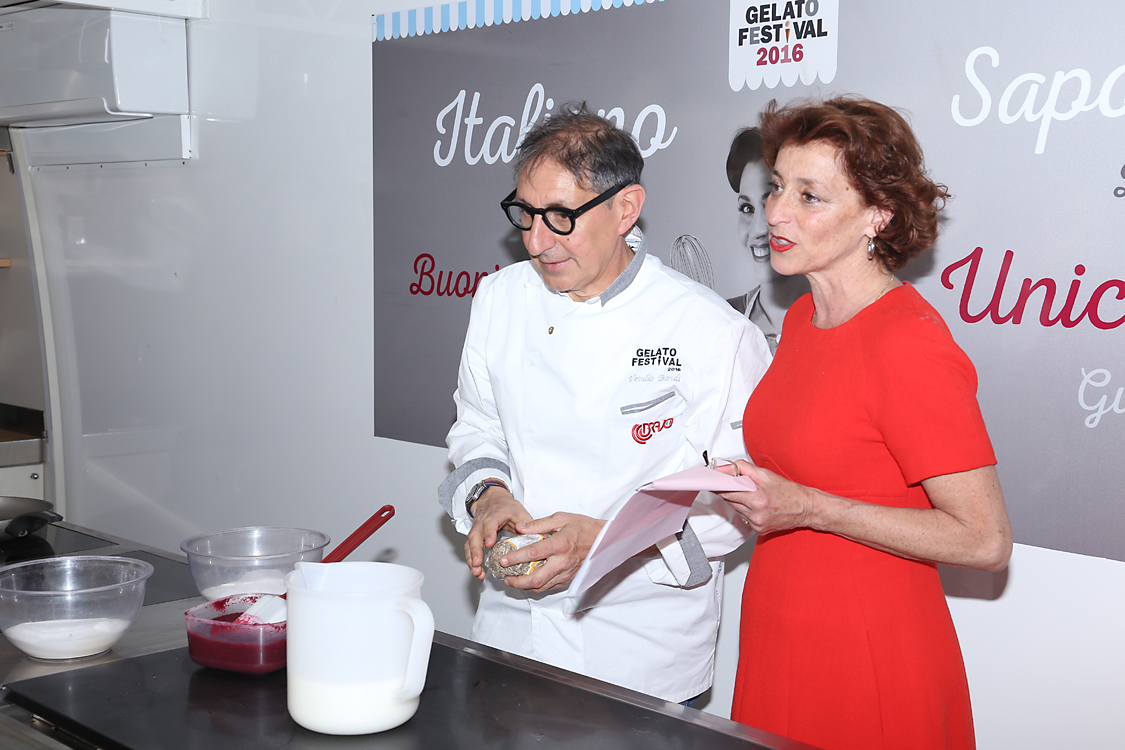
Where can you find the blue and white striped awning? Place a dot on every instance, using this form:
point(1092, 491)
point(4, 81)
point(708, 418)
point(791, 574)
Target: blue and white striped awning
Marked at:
point(468, 14)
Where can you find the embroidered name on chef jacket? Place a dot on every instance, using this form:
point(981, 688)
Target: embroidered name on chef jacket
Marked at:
point(664, 356)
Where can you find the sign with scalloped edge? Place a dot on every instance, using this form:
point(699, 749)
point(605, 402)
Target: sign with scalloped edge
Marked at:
point(782, 41)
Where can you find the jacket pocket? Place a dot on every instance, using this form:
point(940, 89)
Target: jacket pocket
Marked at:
point(651, 404)
point(655, 415)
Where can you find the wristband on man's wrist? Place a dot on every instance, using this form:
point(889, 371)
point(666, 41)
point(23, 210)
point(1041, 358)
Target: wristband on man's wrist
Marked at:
point(479, 489)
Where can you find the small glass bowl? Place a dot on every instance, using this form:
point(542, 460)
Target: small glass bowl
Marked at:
point(250, 560)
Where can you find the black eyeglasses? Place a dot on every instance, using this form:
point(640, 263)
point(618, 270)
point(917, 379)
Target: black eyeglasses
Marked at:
point(558, 219)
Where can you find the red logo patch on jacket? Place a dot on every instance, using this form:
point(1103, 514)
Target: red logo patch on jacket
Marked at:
point(645, 430)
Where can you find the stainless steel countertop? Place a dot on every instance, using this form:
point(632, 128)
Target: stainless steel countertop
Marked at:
point(160, 627)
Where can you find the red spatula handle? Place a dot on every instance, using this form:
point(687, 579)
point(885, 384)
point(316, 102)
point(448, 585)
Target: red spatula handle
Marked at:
point(359, 536)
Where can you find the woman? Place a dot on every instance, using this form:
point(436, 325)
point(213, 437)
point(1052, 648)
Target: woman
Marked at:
point(870, 454)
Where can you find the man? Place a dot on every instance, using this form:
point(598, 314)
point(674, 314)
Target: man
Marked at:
point(586, 372)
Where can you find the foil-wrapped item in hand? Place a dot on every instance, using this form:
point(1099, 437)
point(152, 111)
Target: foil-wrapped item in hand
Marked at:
point(503, 547)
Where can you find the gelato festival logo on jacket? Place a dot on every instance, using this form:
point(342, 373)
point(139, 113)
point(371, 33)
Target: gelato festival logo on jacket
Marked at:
point(781, 42)
point(644, 431)
point(664, 356)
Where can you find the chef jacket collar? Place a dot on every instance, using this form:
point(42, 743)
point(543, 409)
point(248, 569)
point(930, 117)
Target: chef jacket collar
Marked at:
point(636, 240)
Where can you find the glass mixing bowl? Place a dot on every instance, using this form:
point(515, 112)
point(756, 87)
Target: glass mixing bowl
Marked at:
point(70, 607)
point(250, 560)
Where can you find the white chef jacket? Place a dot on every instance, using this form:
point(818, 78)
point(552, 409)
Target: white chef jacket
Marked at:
point(577, 404)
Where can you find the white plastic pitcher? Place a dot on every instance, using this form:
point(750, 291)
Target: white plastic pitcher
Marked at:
point(359, 639)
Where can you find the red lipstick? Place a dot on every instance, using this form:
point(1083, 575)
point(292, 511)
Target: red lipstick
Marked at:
point(779, 244)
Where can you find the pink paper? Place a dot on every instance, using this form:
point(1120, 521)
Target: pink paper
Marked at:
point(702, 478)
point(657, 510)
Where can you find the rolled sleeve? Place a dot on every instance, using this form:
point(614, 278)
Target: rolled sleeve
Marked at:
point(477, 447)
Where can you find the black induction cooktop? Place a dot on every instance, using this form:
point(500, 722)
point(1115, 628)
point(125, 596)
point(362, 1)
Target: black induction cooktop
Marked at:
point(165, 701)
point(49, 541)
point(171, 579)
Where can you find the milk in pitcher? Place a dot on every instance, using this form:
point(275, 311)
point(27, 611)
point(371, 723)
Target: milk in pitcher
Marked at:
point(349, 709)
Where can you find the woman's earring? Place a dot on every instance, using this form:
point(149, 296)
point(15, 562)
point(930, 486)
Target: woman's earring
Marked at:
point(871, 248)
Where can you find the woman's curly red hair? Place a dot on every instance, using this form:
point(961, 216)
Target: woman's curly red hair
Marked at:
point(881, 157)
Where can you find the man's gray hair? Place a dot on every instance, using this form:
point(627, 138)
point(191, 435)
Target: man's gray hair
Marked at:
point(597, 153)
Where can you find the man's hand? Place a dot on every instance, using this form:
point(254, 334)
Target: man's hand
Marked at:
point(571, 537)
point(495, 510)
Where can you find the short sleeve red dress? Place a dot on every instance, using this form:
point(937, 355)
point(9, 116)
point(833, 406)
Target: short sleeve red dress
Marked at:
point(841, 645)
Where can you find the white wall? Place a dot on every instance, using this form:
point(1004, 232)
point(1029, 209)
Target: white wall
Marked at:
point(1046, 659)
point(215, 341)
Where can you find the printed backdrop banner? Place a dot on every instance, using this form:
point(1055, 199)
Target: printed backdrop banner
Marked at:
point(1023, 123)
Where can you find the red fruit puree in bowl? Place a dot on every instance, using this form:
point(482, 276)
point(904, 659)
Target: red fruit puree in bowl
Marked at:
point(228, 617)
point(215, 640)
point(240, 657)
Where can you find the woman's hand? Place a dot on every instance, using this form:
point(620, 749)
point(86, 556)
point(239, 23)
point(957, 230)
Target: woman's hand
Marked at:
point(777, 504)
point(495, 510)
point(967, 525)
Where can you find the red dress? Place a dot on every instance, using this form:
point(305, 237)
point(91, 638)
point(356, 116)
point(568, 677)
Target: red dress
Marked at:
point(841, 645)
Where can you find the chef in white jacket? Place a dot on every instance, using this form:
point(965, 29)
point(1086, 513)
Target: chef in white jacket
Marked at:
point(588, 371)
